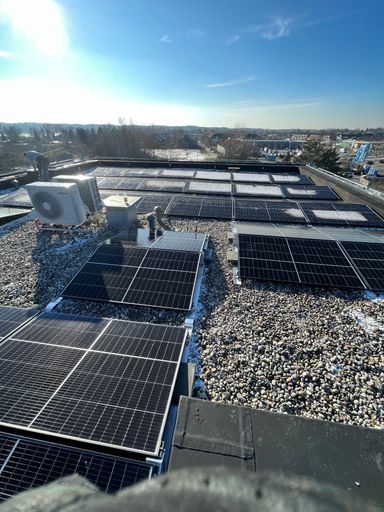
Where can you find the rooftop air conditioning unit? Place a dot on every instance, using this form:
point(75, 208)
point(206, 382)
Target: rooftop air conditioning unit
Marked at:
point(88, 190)
point(57, 203)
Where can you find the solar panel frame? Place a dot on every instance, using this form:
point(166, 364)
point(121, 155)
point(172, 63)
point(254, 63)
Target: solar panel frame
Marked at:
point(148, 203)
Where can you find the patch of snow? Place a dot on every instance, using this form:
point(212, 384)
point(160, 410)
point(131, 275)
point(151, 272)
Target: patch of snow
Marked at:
point(368, 323)
point(374, 296)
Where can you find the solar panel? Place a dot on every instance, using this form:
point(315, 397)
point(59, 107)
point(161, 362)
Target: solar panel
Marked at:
point(268, 211)
point(181, 241)
point(257, 190)
point(13, 318)
point(305, 261)
point(185, 206)
point(120, 183)
point(342, 214)
point(368, 258)
point(148, 203)
point(289, 178)
point(206, 187)
point(33, 463)
point(162, 288)
point(309, 192)
point(217, 209)
point(177, 173)
point(114, 391)
point(251, 177)
point(218, 175)
point(140, 276)
point(19, 197)
point(163, 185)
point(143, 173)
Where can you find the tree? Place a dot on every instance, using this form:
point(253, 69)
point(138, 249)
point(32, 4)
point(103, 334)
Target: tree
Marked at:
point(317, 153)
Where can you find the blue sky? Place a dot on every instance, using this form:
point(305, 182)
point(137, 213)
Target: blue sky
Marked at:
point(277, 64)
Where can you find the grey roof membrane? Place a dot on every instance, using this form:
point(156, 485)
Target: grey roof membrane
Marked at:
point(209, 433)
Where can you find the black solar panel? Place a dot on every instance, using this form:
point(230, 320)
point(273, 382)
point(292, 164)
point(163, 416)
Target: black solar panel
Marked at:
point(285, 179)
point(185, 206)
point(93, 394)
point(217, 209)
point(273, 191)
point(12, 318)
point(33, 463)
point(162, 288)
point(148, 203)
point(140, 276)
point(209, 187)
point(163, 185)
point(305, 261)
point(181, 241)
point(342, 214)
point(368, 258)
point(309, 192)
point(268, 211)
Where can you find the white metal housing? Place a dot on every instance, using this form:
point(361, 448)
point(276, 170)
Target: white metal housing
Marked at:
point(57, 203)
point(88, 188)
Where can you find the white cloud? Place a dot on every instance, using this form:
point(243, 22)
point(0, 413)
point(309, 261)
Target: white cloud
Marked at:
point(232, 40)
point(277, 28)
point(232, 82)
point(166, 39)
point(287, 105)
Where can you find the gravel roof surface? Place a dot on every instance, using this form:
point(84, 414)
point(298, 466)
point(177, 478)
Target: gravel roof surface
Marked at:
point(312, 352)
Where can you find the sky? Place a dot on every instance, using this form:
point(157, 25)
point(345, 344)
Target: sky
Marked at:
point(244, 63)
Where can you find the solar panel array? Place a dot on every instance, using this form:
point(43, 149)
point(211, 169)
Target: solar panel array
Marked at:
point(26, 464)
point(104, 382)
point(319, 262)
point(138, 276)
point(293, 260)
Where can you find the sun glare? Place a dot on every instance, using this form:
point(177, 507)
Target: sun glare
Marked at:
point(39, 22)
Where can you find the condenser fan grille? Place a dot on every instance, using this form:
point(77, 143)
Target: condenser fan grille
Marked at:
point(47, 205)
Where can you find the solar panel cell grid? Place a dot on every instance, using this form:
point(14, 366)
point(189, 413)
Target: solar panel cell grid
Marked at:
point(161, 288)
point(12, 318)
point(33, 464)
